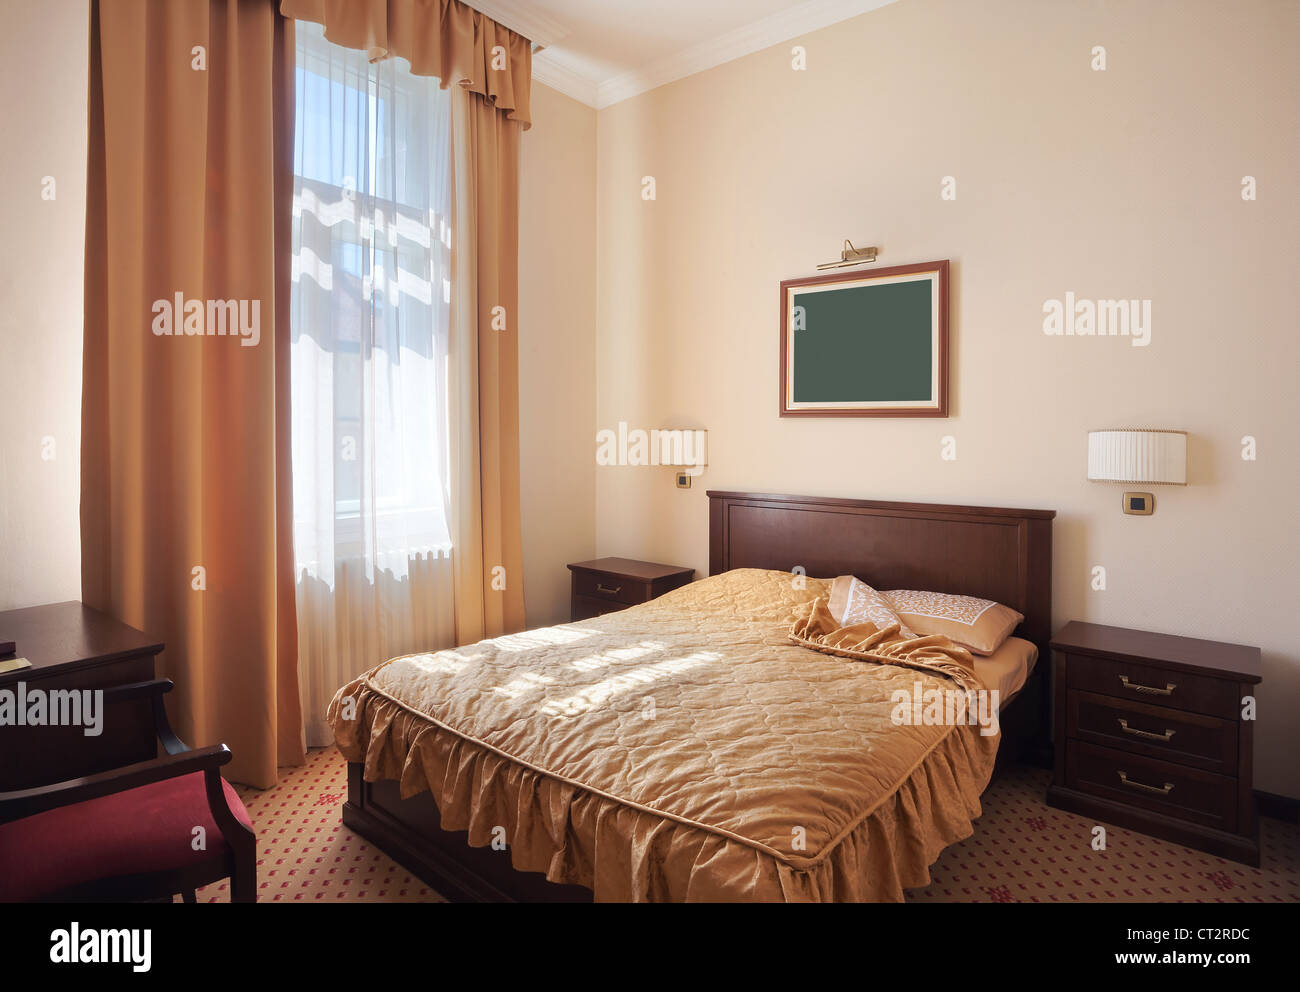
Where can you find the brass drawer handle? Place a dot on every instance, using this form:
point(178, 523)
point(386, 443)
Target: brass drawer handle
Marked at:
point(1144, 734)
point(1123, 777)
point(1154, 690)
point(609, 592)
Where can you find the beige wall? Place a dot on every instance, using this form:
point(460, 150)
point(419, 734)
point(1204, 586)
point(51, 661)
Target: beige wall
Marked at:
point(1122, 183)
point(43, 73)
point(557, 349)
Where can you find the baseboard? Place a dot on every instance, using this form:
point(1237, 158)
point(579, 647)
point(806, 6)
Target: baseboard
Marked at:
point(1278, 807)
point(1235, 847)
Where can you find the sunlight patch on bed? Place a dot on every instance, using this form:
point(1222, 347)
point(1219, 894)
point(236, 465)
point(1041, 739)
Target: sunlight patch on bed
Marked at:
point(615, 655)
point(542, 637)
point(602, 692)
point(523, 683)
point(444, 662)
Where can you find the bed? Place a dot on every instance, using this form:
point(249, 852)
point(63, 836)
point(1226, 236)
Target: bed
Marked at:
point(684, 749)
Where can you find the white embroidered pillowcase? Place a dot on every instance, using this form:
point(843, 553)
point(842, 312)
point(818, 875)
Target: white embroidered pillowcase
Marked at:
point(979, 625)
point(853, 601)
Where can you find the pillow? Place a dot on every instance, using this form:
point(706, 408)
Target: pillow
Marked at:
point(853, 601)
point(979, 625)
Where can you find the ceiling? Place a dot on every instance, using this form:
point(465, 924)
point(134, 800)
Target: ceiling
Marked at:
point(604, 51)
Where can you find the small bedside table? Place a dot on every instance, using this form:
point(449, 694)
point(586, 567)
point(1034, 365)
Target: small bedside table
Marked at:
point(1149, 735)
point(608, 584)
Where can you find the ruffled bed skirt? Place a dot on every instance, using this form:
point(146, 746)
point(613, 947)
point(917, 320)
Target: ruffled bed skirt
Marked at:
point(627, 852)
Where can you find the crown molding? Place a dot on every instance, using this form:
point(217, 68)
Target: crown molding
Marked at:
point(770, 30)
point(524, 19)
point(560, 77)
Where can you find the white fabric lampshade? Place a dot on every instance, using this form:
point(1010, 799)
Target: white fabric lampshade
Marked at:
point(1148, 456)
point(686, 448)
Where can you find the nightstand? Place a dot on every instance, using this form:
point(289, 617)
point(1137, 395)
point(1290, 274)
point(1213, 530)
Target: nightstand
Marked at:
point(1149, 735)
point(608, 584)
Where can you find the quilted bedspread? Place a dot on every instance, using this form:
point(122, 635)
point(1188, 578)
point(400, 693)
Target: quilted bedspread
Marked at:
point(681, 749)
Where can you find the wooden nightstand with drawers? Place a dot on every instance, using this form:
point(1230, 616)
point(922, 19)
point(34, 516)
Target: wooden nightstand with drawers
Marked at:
point(608, 584)
point(1149, 734)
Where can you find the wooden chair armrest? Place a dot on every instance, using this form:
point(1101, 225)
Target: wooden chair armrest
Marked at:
point(135, 690)
point(155, 688)
point(28, 802)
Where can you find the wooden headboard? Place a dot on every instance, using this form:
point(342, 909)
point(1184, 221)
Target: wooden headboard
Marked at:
point(989, 552)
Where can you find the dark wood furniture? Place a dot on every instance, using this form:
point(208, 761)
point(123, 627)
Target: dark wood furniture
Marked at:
point(71, 646)
point(990, 552)
point(105, 831)
point(994, 553)
point(608, 584)
point(1150, 735)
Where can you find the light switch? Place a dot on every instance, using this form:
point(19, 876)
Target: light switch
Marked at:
point(1141, 504)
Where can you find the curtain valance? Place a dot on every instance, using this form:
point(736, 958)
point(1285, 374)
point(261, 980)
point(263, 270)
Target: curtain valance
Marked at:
point(442, 38)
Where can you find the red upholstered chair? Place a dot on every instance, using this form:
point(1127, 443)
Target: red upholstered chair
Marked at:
point(129, 833)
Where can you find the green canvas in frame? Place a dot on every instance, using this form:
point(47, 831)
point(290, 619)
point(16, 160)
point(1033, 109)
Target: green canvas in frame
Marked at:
point(866, 343)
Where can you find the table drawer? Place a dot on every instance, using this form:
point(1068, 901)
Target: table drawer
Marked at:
point(616, 590)
point(1160, 686)
point(584, 608)
point(1148, 783)
point(1156, 731)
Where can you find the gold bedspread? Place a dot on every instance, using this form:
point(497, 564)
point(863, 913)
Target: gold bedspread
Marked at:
point(679, 750)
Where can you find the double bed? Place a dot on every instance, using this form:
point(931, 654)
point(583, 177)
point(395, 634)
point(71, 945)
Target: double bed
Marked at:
point(686, 749)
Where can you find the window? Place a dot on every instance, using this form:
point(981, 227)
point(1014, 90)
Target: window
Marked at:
point(370, 306)
point(370, 318)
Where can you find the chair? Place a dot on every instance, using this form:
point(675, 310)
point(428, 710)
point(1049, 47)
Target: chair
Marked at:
point(130, 833)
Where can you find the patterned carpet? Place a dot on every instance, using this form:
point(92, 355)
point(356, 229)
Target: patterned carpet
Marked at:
point(306, 854)
point(1021, 851)
point(1025, 851)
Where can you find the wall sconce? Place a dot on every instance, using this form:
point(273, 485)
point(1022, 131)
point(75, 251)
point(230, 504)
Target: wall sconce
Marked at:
point(685, 450)
point(1141, 455)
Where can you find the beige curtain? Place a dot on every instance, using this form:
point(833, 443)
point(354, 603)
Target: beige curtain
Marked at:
point(484, 357)
point(186, 496)
point(443, 38)
point(492, 69)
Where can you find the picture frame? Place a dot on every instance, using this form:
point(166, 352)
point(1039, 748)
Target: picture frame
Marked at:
point(870, 343)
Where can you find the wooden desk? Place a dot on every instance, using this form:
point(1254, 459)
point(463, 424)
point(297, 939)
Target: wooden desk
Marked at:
point(72, 646)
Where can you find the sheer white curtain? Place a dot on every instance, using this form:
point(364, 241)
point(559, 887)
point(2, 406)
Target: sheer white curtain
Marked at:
point(370, 317)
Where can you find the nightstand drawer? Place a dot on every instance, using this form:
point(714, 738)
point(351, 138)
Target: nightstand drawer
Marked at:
point(585, 607)
point(1147, 783)
point(1160, 686)
point(1155, 731)
point(615, 589)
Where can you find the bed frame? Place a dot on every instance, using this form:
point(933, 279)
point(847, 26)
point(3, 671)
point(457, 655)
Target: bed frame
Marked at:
point(989, 552)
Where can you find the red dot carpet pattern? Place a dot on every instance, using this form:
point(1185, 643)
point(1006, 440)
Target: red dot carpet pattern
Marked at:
point(1022, 851)
point(305, 854)
point(1025, 851)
